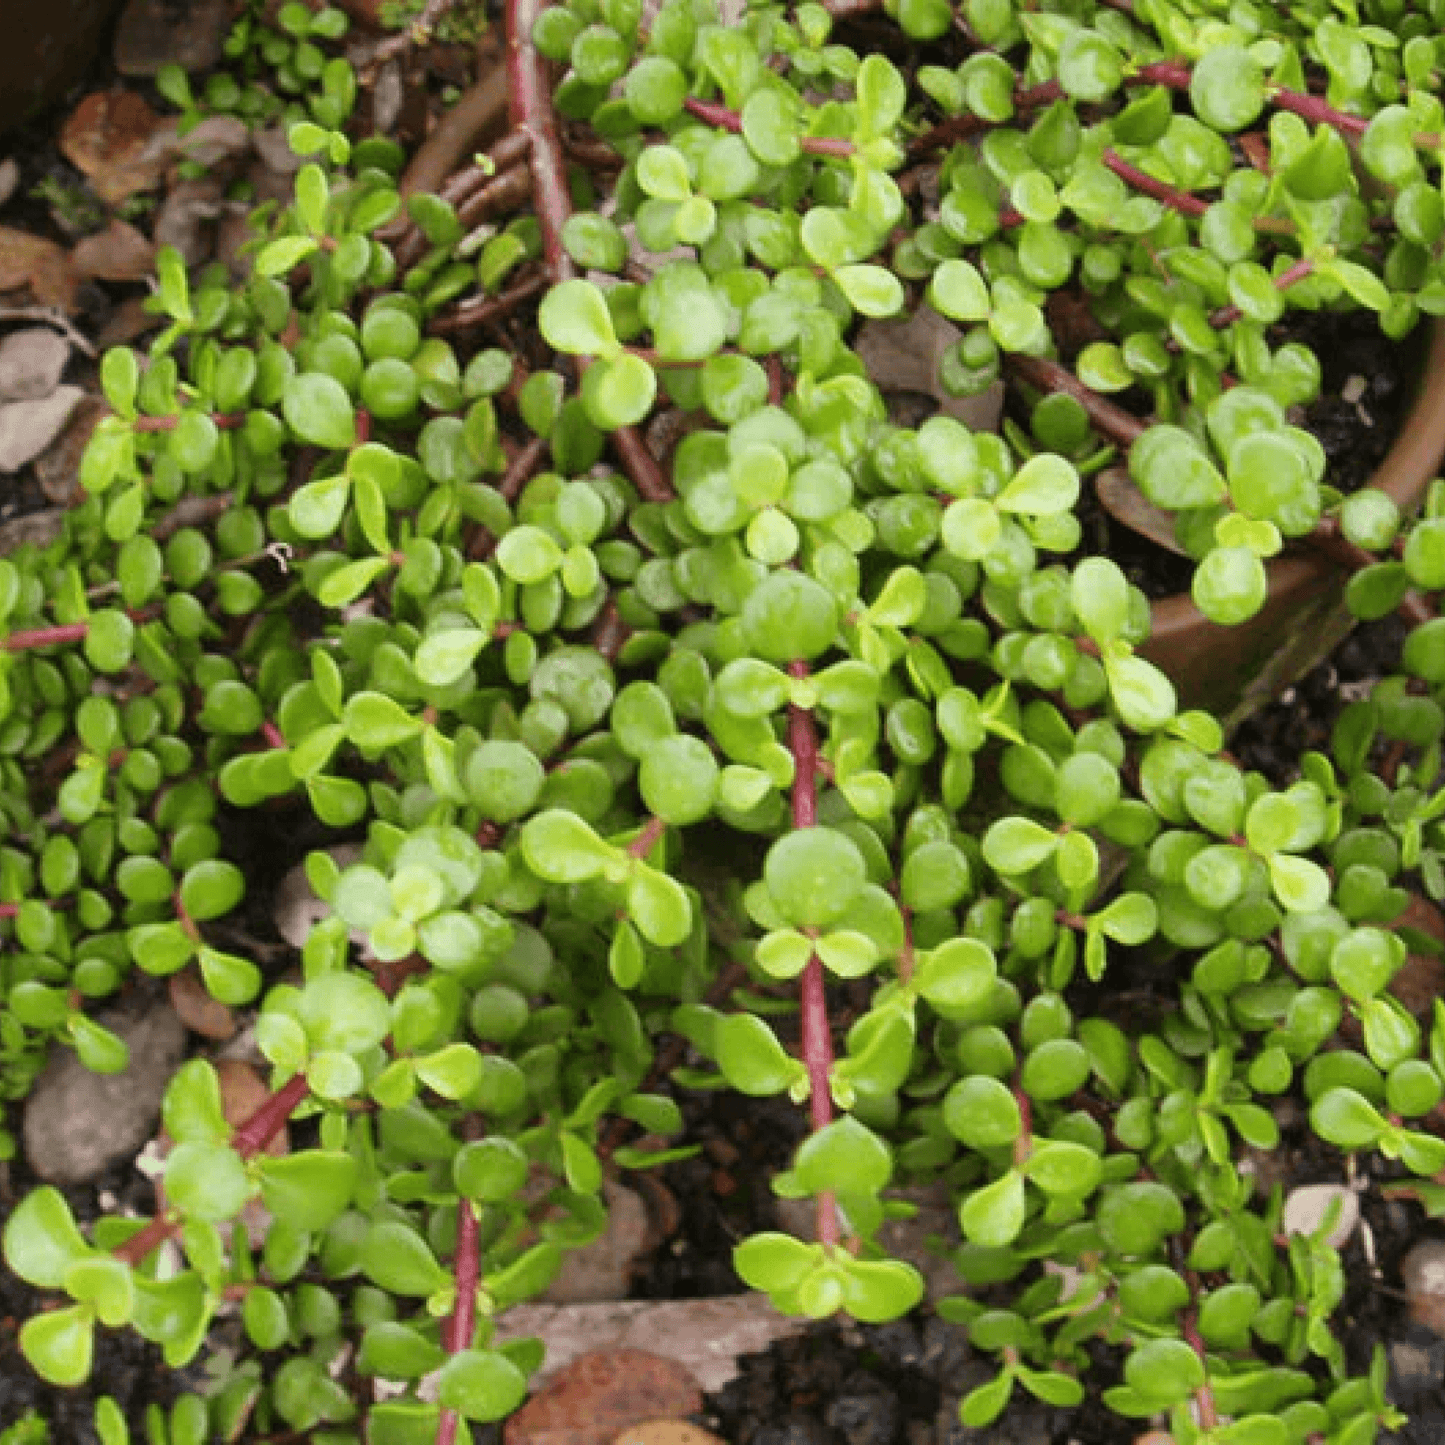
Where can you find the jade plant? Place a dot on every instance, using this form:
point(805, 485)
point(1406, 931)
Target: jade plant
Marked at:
point(393, 534)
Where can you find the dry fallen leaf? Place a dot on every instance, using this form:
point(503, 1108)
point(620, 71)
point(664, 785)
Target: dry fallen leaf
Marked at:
point(108, 139)
point(601, 1393)
point(128, 322)
point(28, 427)
point(705, 1336)
point(31, 362)
point(118, 253)
point(27, 260)
point(200, 1013)
point(57, 469)
point(1126, 504)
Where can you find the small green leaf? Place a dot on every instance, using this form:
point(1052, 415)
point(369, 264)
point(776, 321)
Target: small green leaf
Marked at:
point(319, 411)
point(574, 318)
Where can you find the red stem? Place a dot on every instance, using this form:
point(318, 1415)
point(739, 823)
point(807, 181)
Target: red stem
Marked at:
point(457, 1335)
point(225, 421)
point(1175, 199)
point(1120, 426)
point(1228, 315)
point(268, 1121)
point(647, 839)
point(816, 1033)
point(46, 636)
point(248, 1141)
point(1317, 111)
point(272, 734)
point(725, 119)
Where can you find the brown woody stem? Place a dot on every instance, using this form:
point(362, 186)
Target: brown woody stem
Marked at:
point(1119, 426)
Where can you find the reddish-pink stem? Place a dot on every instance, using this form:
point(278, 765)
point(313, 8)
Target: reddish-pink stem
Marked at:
point(647, 839)
point(46, 636)
point(268, 1121)
point(225, 421)
point(458, 1334)
point(1175, 199)
point(1228, 315)
point(272, 734)
point(725, 119)
point(1120, 426)
point(248, 1141)
point(1318, 112)
point(817, 1035)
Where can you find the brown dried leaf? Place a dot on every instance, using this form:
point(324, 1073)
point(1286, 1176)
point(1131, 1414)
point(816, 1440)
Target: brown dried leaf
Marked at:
point(58, 468)
point(243, 1091)
point(118, 253)
point(1422, 978)
point(705, 1336)
point(129, 321)
point(107, 139)
point(602, 1393)
point(28, 427)
point(200, 1013)
point(1125, 503)
point(27, 260)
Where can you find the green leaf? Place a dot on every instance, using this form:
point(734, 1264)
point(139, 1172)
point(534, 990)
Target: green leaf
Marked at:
point(751, 1058)
point(982, 1112)
point(1017, 845)
point(211, 888)
point(375, 722)
point(1226, 88)
point(880, 1289)
point(994, 1215)
point(574, 318)
point(1346, 1119)
point(872, 291)
point(41, 1240)
point(1099, 592)
point(843, 1157)
point(396, 1257)
point(775, 1263)
point(1144, 696)
point(813, 874)
point(658, 904)
point(985, 1403)
point(562, 848)
point(619, 392)
point(959, 974)
point(309, 1189)
point(279, 257)
point(206, 1181)
point(319, 411)
point(58, 1344)
point(1164, 1372)
point(481, 1385)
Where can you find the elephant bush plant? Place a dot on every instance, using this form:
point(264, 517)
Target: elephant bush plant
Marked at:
point(464, 604)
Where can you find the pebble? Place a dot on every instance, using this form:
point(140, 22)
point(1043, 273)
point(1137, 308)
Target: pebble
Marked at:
point(31, 362)
point(1306, 1207)
point(188, 33)
point(1417, 1365)
point(78, 1124)
point(1423, 1273)
point(28, 427)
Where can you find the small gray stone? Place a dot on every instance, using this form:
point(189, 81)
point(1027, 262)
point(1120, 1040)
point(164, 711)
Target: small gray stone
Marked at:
point(78, 1124)
point(31, 362)
point(188, 33)
point(1423, 1274)
point(28, 427)
point(1417, 1367)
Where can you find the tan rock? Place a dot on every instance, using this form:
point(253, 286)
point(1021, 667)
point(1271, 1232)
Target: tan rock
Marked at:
point(601, 1394)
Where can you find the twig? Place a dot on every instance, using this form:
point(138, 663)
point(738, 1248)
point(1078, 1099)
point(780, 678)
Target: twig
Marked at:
point(530, 100)
point(482, 309)
point(51, 317)
point(1120, 426)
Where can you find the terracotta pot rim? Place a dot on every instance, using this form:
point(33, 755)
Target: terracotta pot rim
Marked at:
point(1194, 651)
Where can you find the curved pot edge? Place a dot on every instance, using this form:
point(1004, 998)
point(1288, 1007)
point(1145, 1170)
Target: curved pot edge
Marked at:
point(1234, 670)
